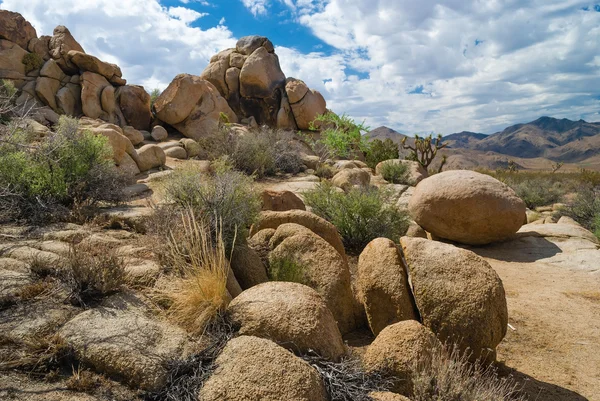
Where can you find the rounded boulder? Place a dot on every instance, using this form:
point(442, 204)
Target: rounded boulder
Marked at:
point(467, 207)
point(293, 315)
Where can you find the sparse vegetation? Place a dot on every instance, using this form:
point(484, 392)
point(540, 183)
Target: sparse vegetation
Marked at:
point(286, 270)
point(585, 209)
point(324, 171)
point(340, 136)
point(49, 180)
point(199, 294)
point(38, 354)
point(380, 151)
point(91, 272)
point(360, 215)
point(396, 173)
point(226, 199)
point(449, 376)
point(32, 62)
point(425, 149)
point(153, 96)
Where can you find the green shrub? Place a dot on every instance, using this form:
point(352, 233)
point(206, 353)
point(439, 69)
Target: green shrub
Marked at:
point(32, 62)
point(396, 173)
point(341, 137)
point(380, 151)
point(286, 269)
point(360, 215)
point(225, 199)
point(68, 170)
point(7, 102)
point(153, 96)
point(585, 209)
point(325, 171)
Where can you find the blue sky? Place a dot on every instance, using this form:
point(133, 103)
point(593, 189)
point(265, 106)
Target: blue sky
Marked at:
point(417, 67)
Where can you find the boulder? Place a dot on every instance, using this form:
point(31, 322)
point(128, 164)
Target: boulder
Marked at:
point(293, 315)
point(40, 46)
point(387, 396)
point(255, 369)
point(397, 348)
point(50, 69)
point(11, 56)
point(306, 104)
point(68, 100)
point(135, 136)
point(125, 343)
point(216, 71)
point(281, 201)
point(248, 267)
point(87, 62)
point(415, 174)
point(383, 285)
point(15, 28)
point(192, 147)
point(467, 207)
point(193, 106)
point(319, 266)
point(60, 44)
point(458, 294)
point(118, 142)
point(150, 156)
point(350, 178)
point(261, 74)
point(249, 44)
point(176, 152)
point(159, 133)
point(92, 87)
point(134, 103)
point(318, 225)
point(46, 90)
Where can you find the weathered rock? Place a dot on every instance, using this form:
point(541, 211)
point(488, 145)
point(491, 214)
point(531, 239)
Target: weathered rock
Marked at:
point(249, 44)
point(125, 343)
point(15, 28)
point(135, 136)
point(46, 90)
point(68, 100)
point(415, 231)
point(108, 102)
point(248, 267)
point(255, 369)
point(40, 46)
point(321, 267)
point(350, 178)
point(86, 62)
point(159, 133)
point(458, 294)
point(306, 104)
point(318, 225)
point(415, 174)
point(293, 315)
point(119, 142)
point(467, 207)
point(261, 75)
point(281, 201)
point(176, 152)
point(150, 156)
point(92, 87)
point(51, 69)
point(192, 105)
point(192, 147)
point(383, 285)
point(61, 43)
point(11, 282)
point(216, 71)
point(387, 396)
point(11, 56)
point(395, 350)
point(134, 102)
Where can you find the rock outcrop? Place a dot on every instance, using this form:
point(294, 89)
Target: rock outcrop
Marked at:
point(467, 207)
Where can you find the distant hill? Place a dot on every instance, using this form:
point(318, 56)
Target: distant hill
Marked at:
point(534, 145)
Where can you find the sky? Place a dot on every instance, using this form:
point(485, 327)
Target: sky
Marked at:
point(414, 66)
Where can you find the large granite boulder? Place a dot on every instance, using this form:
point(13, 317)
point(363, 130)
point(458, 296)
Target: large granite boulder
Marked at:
point(16, 29)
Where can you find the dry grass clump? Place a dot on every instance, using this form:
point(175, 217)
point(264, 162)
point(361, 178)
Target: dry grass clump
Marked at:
point(199, 291)
point(91, 273)
point(449, 376)
point(39, 354)
point(347, 380)
point(85, 381)
point(286, 269)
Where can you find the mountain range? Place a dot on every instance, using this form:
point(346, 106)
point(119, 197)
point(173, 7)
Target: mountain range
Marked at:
point(534, 145)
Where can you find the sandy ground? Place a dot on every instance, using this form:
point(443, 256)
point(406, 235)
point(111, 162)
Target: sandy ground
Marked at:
point(554, 349)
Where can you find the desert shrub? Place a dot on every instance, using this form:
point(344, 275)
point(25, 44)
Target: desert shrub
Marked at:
point(424, 150)
point(325, 171)
point(340, 136)
point(153, 96)
point(396, 173)
point(7, 101)
point(226, 199)
point(65, 172)
point(585, 209)
point(380, 151)
point(347, 380)
point(40, 354)
point(286, 269)
point(199, 290)
point(32, 62)
point(449, 376)
point(360, 215)
point(91, 272)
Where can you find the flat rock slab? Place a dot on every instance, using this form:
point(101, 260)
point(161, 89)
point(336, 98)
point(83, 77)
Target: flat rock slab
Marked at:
point(27, 320)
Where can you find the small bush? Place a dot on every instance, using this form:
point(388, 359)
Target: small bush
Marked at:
point(325, 171)
point(286, 270)
point(380, 151)
point(32, 62)
point(448, 376)
point(91, 273)
point(226, 199)
point(48, 180)
point(360, 215)
point(38, 354)
point(585, 209)
point(340, 137)
point(153, 96)
point(199, 294)
point(396, 173)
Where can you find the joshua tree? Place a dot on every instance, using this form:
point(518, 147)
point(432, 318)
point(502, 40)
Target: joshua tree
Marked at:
point(557, 166)
point(425, 149)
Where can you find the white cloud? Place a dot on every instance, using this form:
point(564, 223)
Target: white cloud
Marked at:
point(149, 42)
point(256, 7)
